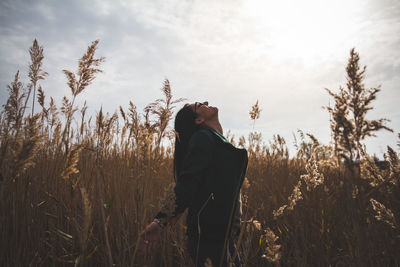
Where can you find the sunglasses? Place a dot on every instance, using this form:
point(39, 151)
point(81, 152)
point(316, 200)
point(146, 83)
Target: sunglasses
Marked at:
point(197, 105)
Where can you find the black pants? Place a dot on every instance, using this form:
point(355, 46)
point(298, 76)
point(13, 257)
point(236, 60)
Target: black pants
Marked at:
point(214, 251)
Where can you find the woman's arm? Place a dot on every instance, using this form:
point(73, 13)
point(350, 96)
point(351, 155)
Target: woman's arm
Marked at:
point(197, 160)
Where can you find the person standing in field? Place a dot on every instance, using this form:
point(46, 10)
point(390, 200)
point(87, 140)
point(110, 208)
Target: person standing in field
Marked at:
point(209, 173)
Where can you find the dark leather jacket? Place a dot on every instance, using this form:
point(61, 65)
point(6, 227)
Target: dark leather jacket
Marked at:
point(209, 185)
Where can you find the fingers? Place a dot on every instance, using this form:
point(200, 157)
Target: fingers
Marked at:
point(151, 245)
point(148, 239)
point(146, 246)
point(142, 247)
point(143, 243)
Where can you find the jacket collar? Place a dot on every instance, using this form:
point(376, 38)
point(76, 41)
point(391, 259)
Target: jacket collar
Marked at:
point(220, 136)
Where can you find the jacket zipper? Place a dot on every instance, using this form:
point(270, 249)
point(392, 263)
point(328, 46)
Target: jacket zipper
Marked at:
point(211, 196)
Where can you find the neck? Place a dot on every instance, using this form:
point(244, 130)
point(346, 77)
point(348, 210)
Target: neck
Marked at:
point(215, 125)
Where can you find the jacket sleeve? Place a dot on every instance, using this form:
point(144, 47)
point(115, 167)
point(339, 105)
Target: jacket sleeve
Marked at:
point(196, 162)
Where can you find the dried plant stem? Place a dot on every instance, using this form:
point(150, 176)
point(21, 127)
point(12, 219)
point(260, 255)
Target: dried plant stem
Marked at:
point(105, 226)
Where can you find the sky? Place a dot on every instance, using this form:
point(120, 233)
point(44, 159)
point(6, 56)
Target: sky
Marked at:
point(228, 52)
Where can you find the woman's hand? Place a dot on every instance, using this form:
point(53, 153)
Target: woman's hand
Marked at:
point(149, 238)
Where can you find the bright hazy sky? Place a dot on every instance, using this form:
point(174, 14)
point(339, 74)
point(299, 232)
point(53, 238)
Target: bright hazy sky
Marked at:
point(231, 53)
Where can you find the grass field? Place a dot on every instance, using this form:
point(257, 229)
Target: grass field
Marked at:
point(78, 191)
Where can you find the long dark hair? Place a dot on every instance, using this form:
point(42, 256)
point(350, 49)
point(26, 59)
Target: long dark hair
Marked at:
point(185, 127)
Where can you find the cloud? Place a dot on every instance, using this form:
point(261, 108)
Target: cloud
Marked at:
point(283, 53)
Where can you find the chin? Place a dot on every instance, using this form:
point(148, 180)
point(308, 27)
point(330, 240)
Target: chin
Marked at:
point(216, 111)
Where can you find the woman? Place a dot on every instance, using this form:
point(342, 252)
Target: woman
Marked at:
point(209, 173)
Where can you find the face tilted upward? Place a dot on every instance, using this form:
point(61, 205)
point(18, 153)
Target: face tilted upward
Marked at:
point(204, 112)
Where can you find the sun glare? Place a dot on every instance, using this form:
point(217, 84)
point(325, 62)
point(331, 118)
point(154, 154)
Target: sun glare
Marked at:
point(306, 29)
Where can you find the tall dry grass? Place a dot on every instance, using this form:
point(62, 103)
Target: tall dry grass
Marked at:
point(77, 190)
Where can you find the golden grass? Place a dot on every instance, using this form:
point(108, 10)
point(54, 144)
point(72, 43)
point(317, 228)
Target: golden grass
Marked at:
point(77, 191)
